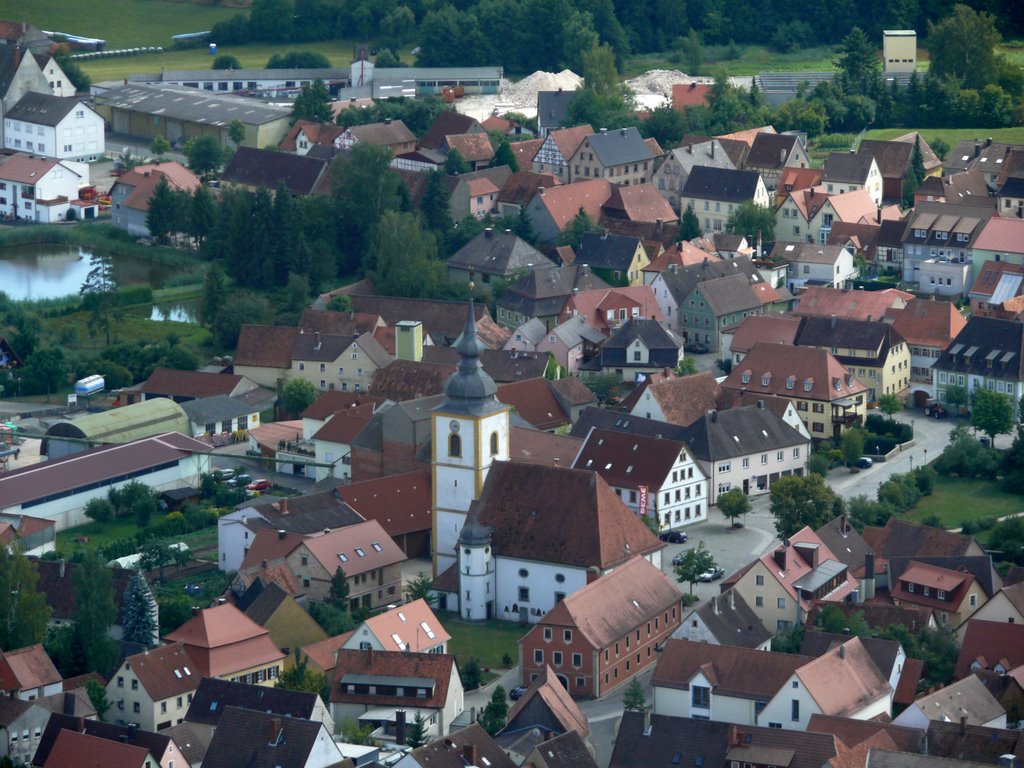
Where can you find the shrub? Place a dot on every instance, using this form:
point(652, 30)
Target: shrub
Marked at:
point(819, 464)
point(925, 478)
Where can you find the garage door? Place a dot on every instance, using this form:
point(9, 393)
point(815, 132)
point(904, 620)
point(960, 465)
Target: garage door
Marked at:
point(120, 121)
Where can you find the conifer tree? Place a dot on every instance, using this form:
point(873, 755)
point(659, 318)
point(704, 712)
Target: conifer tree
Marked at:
point(139, 621)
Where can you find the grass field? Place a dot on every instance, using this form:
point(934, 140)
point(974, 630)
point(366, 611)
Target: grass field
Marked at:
point(956, 501)
point(122, 23)
point(338, 52)
point(487, 641)
point(953, 135)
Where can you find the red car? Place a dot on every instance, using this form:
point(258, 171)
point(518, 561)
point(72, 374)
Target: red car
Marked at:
point(258, 485)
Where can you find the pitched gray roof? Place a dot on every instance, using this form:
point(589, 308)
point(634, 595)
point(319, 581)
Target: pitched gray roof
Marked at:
point(214, 696)
point(552, 106)
point(260, 739)
point(497, 253)
point(601, 418)
point(624, 145)
point(543, 292)
point(652, 333)
point(739, 432)
point(204, 410)
point(984, 340)
point(43, 108)
point(847, 167)
point(723, 184)
point(602, 250)
point(681, 282)
point(732, 621)
point(725, 295)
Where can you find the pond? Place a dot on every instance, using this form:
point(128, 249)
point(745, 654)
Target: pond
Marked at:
point(32, 272)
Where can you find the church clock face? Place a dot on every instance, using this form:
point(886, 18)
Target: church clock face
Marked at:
point(453, 425)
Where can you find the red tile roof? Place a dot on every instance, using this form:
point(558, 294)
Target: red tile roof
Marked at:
point(862, 682)
point(556, 699)
point(78, 750)
point(768, 329)
point(532, 446)
point(414, 625)
point(222, 640)
point(164, 672)
point(437, 667)
point(525, 151)
point(817, 369)
point(534, 402)
point(400, 503)
point(929, 323)
point(856, 305)
point(378, 549)
point(27, 668)
point(564, 202)
point(171, 381)
point(689, 95)
point(639, 202)
point(560, 515)
point(954, 583)
point(344, 426)
point(626, 460)
point(322, 653)
point(333, 401)
point(1003, 235)
point(609, 607)
point(568, 140)
point(474, 147)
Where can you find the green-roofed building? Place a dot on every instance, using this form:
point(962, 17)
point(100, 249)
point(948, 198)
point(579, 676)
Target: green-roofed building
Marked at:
point(119, 425)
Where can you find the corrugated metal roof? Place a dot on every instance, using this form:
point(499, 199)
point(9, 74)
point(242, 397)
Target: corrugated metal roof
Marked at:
point(190, 104)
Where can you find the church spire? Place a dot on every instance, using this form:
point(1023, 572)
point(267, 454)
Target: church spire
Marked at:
point(470, 389)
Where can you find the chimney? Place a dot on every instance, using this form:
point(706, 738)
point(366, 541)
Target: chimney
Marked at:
point(760, 405)
point(69, 704)
point(604, 130)
point(666, 372)
point(844, 525)
point(732, 600)
point(659, 226)
point(735, 737)
point(399, 726)
point(318, 342)
point(469, 754)
point(622, 132)
point(712, 150)
point(977, 148)
point(282, 507)
point(833, 321)
point(387, 121)
point(540, 191)
point(689, 149)
point(782, 156)
point(963, 724)
point(714, 416)
point(63, 566)
point(409, 340)
point(133, 730)
point(780, 557)
point(869, 565)
point(988, 142)
point(648, 727)
point(714, 605)
point(280, 533)
point(195, 610)
point(842, 651)
point(489, 232)
point(275, 731)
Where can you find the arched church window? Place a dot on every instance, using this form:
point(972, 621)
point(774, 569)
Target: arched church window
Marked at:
point(454, 445)
point(494, 443)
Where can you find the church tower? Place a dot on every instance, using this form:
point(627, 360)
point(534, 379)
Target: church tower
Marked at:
point(470, 430)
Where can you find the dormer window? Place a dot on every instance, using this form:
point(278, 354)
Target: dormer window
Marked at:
point(745, 377)
point(766, 379)
point(910, 587)
point(791, 382)
point(808, 385)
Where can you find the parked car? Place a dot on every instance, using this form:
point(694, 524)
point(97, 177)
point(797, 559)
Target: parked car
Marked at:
point(864, 462)
point(224, 474)
point(258, 485)
point(240, 481)
point(678, 559)
point(696, 348)
point(673, 537)
point(713, 574)
point(517, 693)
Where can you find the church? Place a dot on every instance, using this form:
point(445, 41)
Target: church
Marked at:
point(511, 540)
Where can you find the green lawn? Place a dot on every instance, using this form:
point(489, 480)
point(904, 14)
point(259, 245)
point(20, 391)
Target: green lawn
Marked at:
point(952, 135)
point(98, 535)
point(122, 23)
point(487, 641)
point(338, 52)
point(956, 501)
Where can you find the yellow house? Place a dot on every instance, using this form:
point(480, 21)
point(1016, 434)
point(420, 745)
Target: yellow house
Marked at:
point(619, 260)
point(953, 596)
point(873, 351)
point(290, 626)
point(827, 396)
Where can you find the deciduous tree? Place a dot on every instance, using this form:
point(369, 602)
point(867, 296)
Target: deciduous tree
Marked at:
point(733, 503)
point(799, 501)
point(852, 445)
point(204, 155)
point(297, 395)
point(695, 561)
point(890, 404)
point(420, 589)
point(751, 220)
point(95, 612)
point(24, 614)
point(313, 103)
point(992, 412)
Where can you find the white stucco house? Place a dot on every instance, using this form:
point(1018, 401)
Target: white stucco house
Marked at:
point(64, 128)
point(41, 189)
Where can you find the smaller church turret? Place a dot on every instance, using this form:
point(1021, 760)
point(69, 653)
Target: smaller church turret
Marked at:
point(476, 571)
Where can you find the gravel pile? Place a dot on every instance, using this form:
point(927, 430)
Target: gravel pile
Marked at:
point(659, 81)
point(524, 93)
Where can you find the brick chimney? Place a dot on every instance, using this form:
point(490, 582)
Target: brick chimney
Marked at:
point(469, 754)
